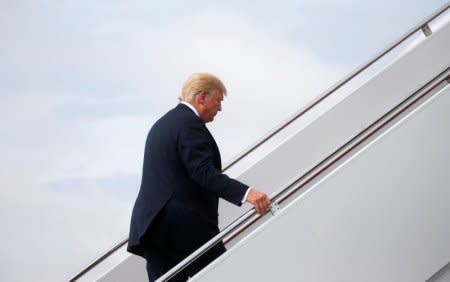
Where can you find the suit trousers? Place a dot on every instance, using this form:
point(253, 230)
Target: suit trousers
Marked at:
point(163, 248)
point(159, 263)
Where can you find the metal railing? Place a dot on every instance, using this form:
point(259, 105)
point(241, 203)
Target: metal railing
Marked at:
point(241, 223)
point(423, 25)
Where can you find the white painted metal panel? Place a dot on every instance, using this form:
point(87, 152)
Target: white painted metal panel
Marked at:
point(333, 129)
point(383, 215)
point(309, 146)
point(131, 269)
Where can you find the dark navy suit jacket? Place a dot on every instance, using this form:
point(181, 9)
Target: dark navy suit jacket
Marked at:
point(176, 208)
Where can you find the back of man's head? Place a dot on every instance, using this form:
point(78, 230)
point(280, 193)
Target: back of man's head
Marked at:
point(198, 82)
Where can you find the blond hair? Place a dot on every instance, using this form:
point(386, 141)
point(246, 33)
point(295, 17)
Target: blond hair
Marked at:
point(199, 82)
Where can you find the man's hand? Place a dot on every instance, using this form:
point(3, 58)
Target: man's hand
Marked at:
point(259, 200)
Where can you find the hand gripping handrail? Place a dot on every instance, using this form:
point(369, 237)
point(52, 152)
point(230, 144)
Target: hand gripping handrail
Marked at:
point(296, 185)
point(294, 117)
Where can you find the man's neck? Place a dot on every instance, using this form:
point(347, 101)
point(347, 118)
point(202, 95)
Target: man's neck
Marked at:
point(190, 107)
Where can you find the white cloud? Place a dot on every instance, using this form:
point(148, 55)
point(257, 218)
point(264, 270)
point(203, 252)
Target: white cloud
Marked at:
point(49, 235)
point(83, 82)
point(262, 72)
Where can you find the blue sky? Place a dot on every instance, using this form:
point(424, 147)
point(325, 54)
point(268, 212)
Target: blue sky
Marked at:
point(81, 82)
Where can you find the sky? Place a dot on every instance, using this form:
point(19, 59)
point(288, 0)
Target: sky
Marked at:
point(81, 83)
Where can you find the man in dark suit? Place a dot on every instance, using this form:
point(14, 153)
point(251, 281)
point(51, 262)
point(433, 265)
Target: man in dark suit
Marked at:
point(176, 209)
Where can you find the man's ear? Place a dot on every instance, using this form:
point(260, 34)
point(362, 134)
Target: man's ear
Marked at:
point(201, 97)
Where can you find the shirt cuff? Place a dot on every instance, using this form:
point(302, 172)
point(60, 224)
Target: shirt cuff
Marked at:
point(245, 196)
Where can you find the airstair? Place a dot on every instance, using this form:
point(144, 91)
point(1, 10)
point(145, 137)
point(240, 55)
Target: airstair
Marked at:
point(360, 192)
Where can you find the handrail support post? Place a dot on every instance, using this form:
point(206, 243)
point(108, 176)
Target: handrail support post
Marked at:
point(274, 208)
point(426, 30)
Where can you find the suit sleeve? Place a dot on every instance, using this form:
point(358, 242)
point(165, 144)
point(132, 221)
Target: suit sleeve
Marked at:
point(196, 153)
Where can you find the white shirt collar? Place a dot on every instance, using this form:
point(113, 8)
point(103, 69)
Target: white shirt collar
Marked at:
point(191, 107)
